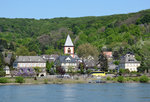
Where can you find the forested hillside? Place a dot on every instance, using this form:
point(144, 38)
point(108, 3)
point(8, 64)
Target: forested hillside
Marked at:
point(124, 32)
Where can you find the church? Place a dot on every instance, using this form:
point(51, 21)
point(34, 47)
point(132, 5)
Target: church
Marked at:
point(68, 60)
point(69, 47)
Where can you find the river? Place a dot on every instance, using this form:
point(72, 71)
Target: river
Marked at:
point(111, 92)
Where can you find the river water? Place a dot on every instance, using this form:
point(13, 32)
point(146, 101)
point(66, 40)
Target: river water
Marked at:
point(112, 92)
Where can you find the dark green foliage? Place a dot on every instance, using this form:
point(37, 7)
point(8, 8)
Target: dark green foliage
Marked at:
point(2, 73)
point(19, 79)
point(82, 68)
point(145, 19)
point(144, 79)
point(118, 33)
point(3, 80)
point(136, 79)
point(108, 78)
point(3, 43)
point(121, 79)
point(1, 60)
point(44, 34)
point(116, 62)
point(103, 62)
point(123, 71)
point(115, 55)
point(49, 66)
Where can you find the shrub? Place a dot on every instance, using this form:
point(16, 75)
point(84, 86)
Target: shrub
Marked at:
point(3, 80)
point(2, 73)
point(136, 79)
point(144, 79)
point(114, 79)
point(120, 79)
point(127, 79)
point(19, 79)
point(77, 78)
point(45, 81)
point(124, 71)
point(108, 78)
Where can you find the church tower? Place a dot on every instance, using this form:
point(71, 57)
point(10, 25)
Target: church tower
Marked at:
point(69, 47)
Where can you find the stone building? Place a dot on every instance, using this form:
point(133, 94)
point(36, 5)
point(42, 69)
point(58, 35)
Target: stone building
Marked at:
point(129, 62)
point(27, 62)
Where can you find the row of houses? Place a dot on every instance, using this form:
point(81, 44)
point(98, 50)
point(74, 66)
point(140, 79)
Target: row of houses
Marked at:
point(23, 64)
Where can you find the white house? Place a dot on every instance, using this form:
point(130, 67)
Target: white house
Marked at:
point(31, 62)
point(129, 62)
point(66, 62)
point(7, 71)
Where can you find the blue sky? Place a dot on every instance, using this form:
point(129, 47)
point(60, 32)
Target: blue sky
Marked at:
point(68, 8)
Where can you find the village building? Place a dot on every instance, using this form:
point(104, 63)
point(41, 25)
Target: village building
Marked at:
point(50, 58)
point(69, 47)
point(66, 62)
point(69, 60)
point(90, 64)
point(112, 66)
point(108, 54)
point(7, 71)
point(28, 62)
point(129, 62)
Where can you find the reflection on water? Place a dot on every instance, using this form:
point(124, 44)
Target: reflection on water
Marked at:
point(113, 92)
point(69, 93)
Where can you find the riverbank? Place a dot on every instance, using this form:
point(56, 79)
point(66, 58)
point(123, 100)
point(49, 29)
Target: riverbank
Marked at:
point(33, 81)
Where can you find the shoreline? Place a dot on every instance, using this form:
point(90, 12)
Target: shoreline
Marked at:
point(66, 82)
point(77, 80)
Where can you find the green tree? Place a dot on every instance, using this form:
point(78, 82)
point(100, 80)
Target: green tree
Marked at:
point(116, 55)
point(145, 51)
point(49, 66)
point(19, 79)
point(116, 62)
point(22, 51)
point(37, 70)
point(82, 68)
point(144, 79)
point(103, 62)
point(86, 50)
point(145, 19)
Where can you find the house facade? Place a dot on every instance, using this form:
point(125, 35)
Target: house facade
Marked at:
point(27, 62)
point(7, 71)
point(129, 62)
point(66, 62)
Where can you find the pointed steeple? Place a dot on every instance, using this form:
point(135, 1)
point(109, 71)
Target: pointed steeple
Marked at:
point(68, 41)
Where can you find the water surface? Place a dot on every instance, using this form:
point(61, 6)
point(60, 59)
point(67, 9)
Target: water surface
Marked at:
point(112, 92)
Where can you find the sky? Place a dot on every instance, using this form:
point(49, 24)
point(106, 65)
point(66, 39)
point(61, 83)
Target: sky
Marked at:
point(41, 9)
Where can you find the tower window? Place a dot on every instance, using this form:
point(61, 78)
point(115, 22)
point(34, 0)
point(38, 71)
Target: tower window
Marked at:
point(69, 50)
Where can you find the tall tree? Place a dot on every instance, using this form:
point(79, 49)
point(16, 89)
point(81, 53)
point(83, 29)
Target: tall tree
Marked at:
point(103, 62)
point(22, 51)
point(86, 50)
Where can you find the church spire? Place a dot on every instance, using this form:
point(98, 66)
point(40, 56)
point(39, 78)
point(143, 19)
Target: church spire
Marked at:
point(69, 47)
point(68, 41)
